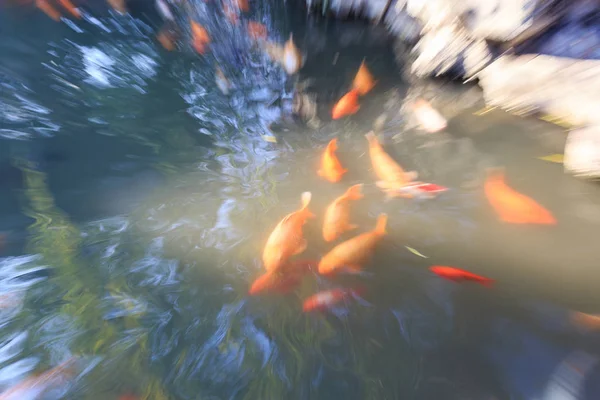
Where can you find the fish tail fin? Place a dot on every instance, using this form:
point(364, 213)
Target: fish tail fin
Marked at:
point(332, 146)
point(372, 138)
point(355, 192)
point(306, 197)
point(381, 224)
point(487, 282)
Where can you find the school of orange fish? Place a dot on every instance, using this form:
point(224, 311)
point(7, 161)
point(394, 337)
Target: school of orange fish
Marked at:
point(286, 240)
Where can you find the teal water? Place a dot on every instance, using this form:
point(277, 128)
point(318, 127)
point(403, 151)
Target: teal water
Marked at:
point(137, 199)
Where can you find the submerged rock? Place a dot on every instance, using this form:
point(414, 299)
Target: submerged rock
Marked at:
point(582, 152)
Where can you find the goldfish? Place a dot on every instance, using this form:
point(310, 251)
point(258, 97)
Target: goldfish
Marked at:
point(222, 83)
point(428, 117)
point(512, 206)
point(325, 299)
point(243, 5)
point(48, 9)
point(353, 252)
point(282, 281)
point(200, 37)
point(586, 321)
point(422, 190)
point(347, 105)
point(392, 178)
point(70, 8)
point(256, 30)
point(363, 81)
point(287, 238)
point(166, 38)
point(118, 6)
point(337, 216)
point(459, 275)
point(331, 168)
point(292, 59)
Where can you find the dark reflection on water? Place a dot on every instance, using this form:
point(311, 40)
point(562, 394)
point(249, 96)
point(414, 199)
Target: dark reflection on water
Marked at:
point(138, 199)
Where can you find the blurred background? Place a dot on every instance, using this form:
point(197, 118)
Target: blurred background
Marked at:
point(148, 148)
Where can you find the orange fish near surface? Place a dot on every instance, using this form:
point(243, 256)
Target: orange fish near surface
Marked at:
point(257, 31)
point(363, 81)
point(48, 9)
point(337, 216)
point(353, 253)
point(586, 321)
point(70, 8)
point(511, 206)
point(283, 280)
point(287, 238)
point(391, 176)
point(347, 105)
point(166, 38)
point(326, 299)
point(331, 168)
point(459, 275)
point(200, 38)
point(243, 5)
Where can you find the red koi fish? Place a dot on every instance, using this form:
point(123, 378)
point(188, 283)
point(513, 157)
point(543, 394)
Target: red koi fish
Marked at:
point(326, 299)
point(459, 275)
point(422, 190)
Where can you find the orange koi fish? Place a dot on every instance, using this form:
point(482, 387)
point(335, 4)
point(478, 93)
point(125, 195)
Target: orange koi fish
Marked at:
point(511, 206)
point(363, 81)
point(586, 321)
point(243, 5)
point(48, 9)
point(331, 168)
point(326, 299)
point(166, 38)
point(200, 38)
point(70, 8)
point(353, 252)
point(347, 105)
point(429, 118)
point(287, 238)
point(392, 178)
point(292, 59)
point(286, 279)
point(459, 275)
point(337, 216)
point(257, 31)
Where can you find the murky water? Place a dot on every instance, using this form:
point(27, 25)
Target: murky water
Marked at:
point(137, 200)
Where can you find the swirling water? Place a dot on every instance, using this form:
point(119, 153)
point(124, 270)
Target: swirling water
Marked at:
point(138, 198)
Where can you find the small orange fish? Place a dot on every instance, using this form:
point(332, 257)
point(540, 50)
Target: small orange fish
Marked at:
point(331, 168)
point(118, 6)
point(353, 252)
point(243, 5)
point(166, 38)
point(326, 299)
point(392, 178)
point(459, 275)
point(512, 206)
point(70, 8)
point(287, 238)
point(429, 118)
point(200, 38)
point(586, 321)
point(363, 81)
point(257, 31)
point(347, 105)
point(291, 60)
point(337, 216)
point(48, 9)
